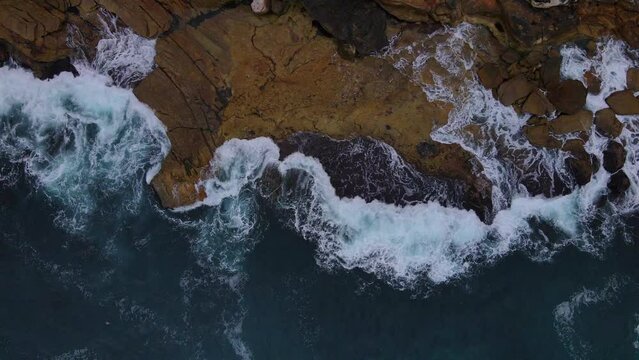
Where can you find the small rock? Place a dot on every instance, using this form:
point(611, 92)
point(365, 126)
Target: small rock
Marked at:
point(510, 56)
point(261, 6)
point(614, 157)
point(618, 184)
point(564, 124)
point(538, 104)
point(514, 89)
point(623, 103)
point(569, 96)
point(550, 72)
point(593, 82)
point(632, 79)
point(607, 124)
point(491, 76)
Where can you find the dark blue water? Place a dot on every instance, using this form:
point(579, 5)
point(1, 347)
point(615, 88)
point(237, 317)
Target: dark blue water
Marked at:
point(136, 285)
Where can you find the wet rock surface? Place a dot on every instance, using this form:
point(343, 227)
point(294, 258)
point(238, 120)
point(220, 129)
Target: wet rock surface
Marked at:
point(223, 72)
point(614, 157)
point(623, 103)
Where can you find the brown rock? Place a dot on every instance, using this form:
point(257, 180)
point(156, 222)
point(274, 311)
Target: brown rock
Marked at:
point(568, 97)
point(514, 89)
point(593, 82)
point(623, 103)
point(551, 72)
point(510, 56)
point(491, 76)
point(614, 157)
point(581, 168)
point(607, 124)
point(632, 79)
point(538, 104)
point(538, 133)
point(564, 124)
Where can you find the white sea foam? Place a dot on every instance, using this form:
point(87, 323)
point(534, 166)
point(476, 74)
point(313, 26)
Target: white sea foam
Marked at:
point(402, 244)
point(121, 54)
point(565, 314)
point(78, 137)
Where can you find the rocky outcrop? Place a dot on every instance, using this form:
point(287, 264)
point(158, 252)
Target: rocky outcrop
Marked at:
point(224, 72)
point(253, 77)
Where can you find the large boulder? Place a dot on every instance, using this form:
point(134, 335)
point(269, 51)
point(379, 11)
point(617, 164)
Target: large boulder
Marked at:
point(607, 124)
point(514, 89)
point(537, 130)
point(578, 122)
point(538, 104)
point(569, 96)
point(491, 76)
point(623, 103)
point(359, 23)
point(614, 157)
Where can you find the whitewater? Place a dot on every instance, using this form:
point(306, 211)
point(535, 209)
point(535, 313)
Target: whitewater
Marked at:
point(85, 141)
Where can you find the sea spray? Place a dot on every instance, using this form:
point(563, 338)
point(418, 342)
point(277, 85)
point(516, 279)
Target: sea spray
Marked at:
point(80, 139)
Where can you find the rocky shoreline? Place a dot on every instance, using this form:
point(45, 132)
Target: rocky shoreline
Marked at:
point(229, 69)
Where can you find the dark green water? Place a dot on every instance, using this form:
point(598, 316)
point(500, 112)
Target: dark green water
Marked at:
point(134, 286)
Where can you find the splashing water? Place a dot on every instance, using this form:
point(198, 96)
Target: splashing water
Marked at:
point(406, 244)
point(121, 54)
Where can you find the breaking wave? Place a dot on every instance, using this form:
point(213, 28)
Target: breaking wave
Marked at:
point(407, 243)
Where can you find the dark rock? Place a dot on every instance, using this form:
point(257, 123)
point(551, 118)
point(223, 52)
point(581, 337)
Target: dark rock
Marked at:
point(564, 124)
point(593, 82)
point(581, 168)
point(358, 22)
point(569, 96)
point(491, 76)
point(632, 79)
point(618, 184)
point(551, 72)
point(514, 89)
point(538, 104)
point(614, 157)
point(607, 124)
point(55, 68)
point(623, 103)
point(510, 56)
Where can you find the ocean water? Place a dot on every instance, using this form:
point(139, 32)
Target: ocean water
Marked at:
point(282, 260)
